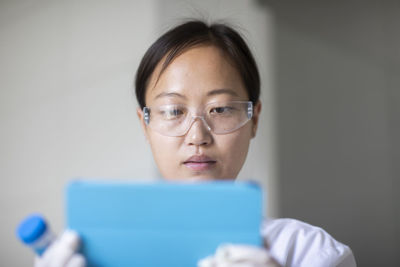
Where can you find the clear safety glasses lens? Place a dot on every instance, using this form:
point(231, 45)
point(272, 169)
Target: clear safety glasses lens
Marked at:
point(220, 117)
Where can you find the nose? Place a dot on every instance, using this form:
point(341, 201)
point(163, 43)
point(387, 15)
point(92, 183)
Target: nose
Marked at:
point(198, 133)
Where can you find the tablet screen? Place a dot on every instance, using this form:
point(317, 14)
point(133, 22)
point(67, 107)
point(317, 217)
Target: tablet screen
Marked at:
point(161, 223)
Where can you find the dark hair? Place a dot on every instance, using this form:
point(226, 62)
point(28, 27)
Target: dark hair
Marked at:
point(193, 33)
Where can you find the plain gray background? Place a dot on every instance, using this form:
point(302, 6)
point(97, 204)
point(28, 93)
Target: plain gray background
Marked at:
point(338, 98)
point(327, 148)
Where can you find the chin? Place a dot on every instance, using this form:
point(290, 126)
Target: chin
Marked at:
point(207, 178)
point(191, 178)
point(197, 176)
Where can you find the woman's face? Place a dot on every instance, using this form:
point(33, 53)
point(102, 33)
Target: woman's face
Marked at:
point(199, 76)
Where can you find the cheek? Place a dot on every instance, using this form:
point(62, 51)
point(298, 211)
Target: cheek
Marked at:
point(163, 149)
point(233, 149)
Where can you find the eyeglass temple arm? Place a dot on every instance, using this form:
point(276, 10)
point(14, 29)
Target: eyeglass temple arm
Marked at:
point(146, 112)
point(250, 110)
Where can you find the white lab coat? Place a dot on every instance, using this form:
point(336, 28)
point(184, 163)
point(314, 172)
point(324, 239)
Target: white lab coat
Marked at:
point(298, 244)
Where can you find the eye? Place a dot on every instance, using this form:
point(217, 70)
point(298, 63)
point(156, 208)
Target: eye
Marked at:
point(172, 113)
point(221, 110)
point(175, 112)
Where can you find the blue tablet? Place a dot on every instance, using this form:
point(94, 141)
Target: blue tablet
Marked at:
point(124, 224)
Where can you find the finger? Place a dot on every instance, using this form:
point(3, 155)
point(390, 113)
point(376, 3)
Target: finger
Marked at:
point(63, 249)
point(45, 259)
point(240, 253)
point(60, 251)
point(207, 262)
point(39, 262)
point(70, 239)
point(76, 260)
point(240, 264)
point(60, 256)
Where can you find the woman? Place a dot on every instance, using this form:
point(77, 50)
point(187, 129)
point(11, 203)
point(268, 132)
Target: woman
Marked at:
point(198, 89)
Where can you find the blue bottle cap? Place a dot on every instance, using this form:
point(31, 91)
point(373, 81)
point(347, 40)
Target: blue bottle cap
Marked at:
point(31, 228)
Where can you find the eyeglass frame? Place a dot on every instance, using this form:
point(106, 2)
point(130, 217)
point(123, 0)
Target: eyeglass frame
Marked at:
point(250, 114)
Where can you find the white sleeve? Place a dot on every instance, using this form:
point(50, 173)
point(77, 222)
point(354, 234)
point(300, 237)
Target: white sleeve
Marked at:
point(297, 244)
point(331, 257)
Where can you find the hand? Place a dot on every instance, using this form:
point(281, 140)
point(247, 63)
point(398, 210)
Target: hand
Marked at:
point(229, 255)
point(62, 252)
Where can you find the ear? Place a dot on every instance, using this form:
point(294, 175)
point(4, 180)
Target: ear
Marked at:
point(140, 115)
point(255, 118)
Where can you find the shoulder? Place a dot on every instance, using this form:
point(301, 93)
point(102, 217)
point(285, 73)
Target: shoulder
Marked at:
point(295, 243)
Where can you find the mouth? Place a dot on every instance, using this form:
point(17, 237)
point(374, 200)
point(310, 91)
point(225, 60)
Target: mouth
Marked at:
point(200, 163)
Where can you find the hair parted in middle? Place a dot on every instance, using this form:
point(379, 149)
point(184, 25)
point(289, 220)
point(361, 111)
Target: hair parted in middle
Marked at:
point(195, 33)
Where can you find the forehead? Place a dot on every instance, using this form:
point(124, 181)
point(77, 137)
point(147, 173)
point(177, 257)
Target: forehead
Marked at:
point(194, 74)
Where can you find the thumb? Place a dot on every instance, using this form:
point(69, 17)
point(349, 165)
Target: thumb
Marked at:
point(64, 249)
point(70, 239)
point(242, 253)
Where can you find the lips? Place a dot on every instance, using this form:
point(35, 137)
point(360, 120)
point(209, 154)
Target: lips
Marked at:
point(200, 163)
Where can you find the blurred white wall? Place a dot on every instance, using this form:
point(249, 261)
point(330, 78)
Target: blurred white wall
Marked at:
point(66, 106)
point(66, 102)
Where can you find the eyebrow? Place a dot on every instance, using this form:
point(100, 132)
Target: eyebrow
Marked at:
point(211, 93)
point(222, 91)
point(170, 94)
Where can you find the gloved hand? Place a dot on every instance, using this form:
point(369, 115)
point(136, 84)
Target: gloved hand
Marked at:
point(62, 252)
point(229, 255)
